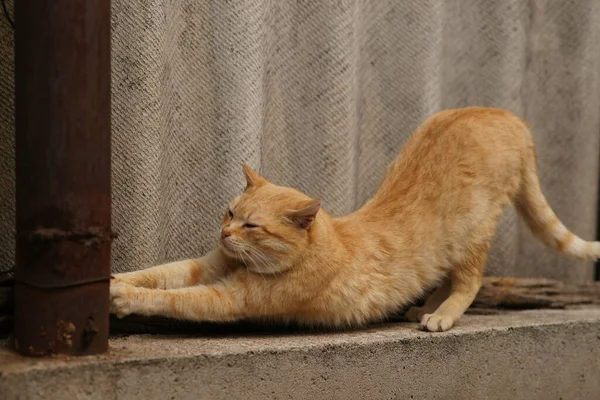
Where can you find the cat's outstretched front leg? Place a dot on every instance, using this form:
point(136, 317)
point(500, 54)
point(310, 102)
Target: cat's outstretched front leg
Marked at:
point(179, 274)
point(230, 300)
point(196, 303)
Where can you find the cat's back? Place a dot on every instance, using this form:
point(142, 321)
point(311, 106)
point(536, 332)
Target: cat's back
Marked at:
point(456, 148)
point(470, 136)
point(494, 125)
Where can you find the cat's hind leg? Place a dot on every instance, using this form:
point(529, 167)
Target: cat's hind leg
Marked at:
point(415, 314)
point(465, 281)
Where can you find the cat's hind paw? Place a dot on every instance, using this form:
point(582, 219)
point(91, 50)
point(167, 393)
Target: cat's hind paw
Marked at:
point(436, 323)
point(414, 314)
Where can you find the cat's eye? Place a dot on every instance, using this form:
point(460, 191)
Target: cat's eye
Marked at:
point(249, 225)
point(230, 213)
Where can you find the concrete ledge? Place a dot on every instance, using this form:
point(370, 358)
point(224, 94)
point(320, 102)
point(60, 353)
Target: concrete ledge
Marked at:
point(542, 354)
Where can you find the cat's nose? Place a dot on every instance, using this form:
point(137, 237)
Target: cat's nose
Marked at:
point(225, 233)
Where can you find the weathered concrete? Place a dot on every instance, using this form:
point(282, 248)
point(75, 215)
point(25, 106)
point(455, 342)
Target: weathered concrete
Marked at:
point(540, 354)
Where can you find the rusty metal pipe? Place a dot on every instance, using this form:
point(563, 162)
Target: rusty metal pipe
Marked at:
point(62, 80)
point(597, 272)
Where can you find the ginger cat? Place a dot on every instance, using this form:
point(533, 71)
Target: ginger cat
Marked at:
point(430, 224)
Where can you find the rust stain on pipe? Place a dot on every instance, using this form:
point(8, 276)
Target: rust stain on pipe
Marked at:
point(62, 81)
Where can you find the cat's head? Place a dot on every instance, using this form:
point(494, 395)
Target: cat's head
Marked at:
point(267, 227)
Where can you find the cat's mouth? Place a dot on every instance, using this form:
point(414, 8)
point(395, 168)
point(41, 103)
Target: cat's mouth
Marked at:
point(227, 246)
point(230, 249)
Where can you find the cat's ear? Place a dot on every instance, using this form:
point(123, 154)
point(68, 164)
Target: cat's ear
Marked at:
point(305, 215)
point(253, 179)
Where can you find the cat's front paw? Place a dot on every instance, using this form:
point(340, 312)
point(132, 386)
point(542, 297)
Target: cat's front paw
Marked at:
point(122, 299)
point(125, 278)
point(436, 322)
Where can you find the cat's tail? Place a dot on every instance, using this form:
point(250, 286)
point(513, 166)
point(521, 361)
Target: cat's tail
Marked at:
point(543, 222)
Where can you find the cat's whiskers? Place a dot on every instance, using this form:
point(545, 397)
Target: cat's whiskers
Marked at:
point(263, 259)
point(235, 247)
point(240, 256)
point(270, 265)
point(246, 252)
point(258, 259)
point(241, 252)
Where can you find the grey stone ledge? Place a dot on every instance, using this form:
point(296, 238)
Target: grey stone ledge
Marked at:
point(539, 354)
